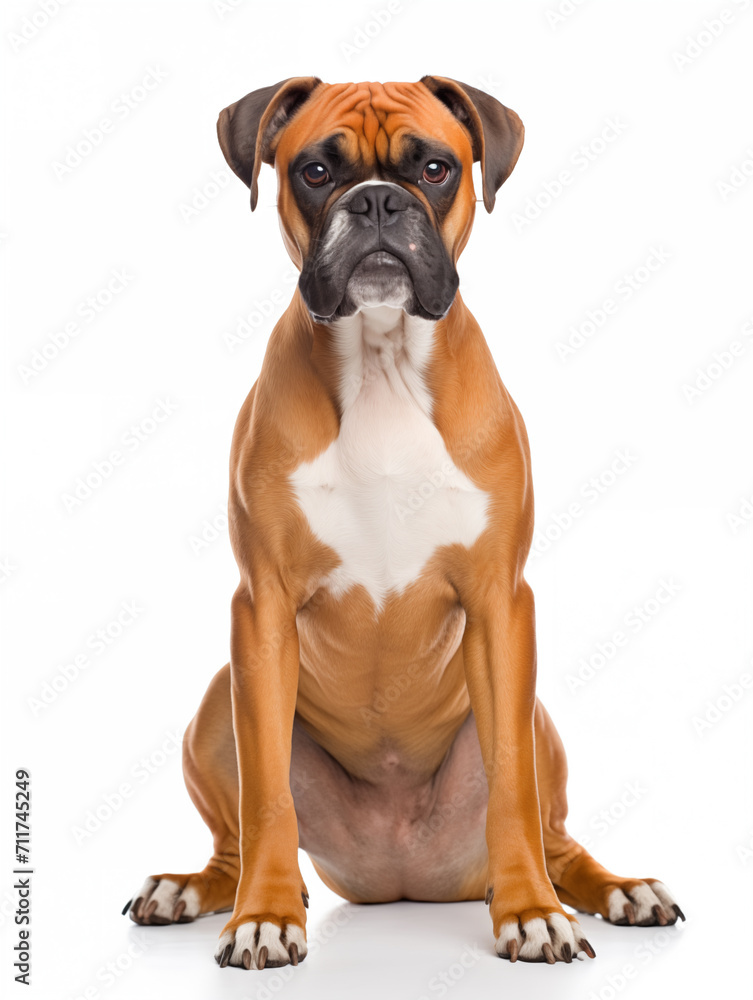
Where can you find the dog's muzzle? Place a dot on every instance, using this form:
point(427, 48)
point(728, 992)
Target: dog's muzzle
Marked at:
point(378, 247)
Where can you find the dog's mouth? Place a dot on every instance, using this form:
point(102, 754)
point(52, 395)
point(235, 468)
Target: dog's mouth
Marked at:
point(381, 278)
point(380, 266)
point(379, 259)
point(397, 260)
point(378, 279)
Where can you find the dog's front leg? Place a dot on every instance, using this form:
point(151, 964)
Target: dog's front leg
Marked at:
point(499, 652)
point(267, 926)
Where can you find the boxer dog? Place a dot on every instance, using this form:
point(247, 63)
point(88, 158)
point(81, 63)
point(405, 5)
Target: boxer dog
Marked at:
point(379, 709)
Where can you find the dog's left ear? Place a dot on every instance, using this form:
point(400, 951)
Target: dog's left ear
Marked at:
point(496, 131)
point(248, 130)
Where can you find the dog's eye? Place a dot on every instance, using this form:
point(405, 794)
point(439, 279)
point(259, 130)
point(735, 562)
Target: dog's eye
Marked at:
point(315, 174)
point(435, 172)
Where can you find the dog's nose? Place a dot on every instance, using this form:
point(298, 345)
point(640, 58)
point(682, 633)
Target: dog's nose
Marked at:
point(378, 204)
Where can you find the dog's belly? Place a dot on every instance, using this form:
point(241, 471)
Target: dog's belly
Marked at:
point(387, 777)
point(386, 693)
point(402, 837)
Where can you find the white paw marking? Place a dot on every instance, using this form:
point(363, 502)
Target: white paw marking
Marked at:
point(142, 897)
point(536, 936)
point(276, 940)
point(616, 905)
point(166, 894)
point(666, 898)
point(270, 937)
point(643, 900)
point(556, 930)
point(191, 898)
point(294, 934)
point(242, 941)
point(644, 897)
point(561, 932)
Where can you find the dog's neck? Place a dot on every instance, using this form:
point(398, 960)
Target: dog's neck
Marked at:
point(382, 344)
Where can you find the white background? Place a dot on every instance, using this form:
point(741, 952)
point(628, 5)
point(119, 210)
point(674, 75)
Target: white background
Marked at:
point(684, 127)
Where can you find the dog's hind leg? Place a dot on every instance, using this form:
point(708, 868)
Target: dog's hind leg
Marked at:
point(578, 879)
point(211, 774)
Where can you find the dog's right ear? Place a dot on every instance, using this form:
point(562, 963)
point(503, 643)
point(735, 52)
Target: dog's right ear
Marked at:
point(249, 129)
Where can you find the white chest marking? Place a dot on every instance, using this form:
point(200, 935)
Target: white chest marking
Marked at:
point(385, 494)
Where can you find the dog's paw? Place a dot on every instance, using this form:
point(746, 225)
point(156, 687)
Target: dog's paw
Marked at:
point(536, 936)
point(642, 903)
point(164, 901)
point(252, 944)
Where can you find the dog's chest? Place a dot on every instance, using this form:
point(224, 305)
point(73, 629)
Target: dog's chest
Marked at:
point(385, 494)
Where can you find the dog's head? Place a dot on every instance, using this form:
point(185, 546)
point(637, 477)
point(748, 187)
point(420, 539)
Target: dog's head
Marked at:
point(375, 188)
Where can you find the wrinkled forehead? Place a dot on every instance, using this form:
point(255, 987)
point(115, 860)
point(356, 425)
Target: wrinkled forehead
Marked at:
point(373, 121)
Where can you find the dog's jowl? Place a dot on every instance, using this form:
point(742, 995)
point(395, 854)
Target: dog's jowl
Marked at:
point(379, 709)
